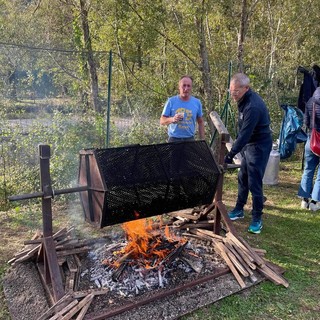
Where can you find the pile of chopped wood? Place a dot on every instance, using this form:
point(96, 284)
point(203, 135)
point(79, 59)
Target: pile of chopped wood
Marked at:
point(67, 249)
point(192, 218)
point(235, 251)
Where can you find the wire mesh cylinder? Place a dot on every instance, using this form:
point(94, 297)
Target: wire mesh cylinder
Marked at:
point(141, 181)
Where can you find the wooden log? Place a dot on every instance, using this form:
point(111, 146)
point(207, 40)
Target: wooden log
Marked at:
point(194, 236)
point(32, 241)
point(37, 235)
point(179, 223)
point(71, 244)
point(236, 262)
point(60, 233)
point(260, 252)
point(69, 282)
point(77, 260)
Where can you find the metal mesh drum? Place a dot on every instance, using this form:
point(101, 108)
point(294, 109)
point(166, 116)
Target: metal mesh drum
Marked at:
point(140, 181)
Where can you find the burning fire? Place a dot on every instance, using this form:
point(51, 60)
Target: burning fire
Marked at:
point(145, 245)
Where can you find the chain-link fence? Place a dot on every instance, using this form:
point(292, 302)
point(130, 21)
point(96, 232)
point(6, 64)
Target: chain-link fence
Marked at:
point(46, 97)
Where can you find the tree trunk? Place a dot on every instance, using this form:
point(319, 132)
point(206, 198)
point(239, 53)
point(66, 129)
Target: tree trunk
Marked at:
point(204, 63)
point(89, 54)
point(242, 34)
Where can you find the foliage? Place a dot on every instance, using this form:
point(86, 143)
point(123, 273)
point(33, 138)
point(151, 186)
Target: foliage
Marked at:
point(152, 44)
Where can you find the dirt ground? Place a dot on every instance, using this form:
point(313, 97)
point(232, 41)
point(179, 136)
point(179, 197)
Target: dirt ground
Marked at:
point(25, 297)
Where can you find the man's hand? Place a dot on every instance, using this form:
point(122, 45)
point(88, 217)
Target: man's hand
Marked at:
point(228, 159)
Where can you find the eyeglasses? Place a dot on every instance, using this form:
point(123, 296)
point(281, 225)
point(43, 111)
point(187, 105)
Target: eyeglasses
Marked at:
point(234, 92)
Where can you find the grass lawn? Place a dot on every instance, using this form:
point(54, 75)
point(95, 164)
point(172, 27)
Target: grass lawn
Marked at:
point(290, 235)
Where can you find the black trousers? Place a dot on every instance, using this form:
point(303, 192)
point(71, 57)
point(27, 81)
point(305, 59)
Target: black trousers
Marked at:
point(253, 166)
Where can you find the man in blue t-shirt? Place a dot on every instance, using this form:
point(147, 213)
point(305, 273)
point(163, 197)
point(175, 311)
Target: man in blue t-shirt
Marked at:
point(182, 112)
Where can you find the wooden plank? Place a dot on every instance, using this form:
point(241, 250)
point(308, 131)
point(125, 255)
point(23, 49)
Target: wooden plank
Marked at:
point(243, 255)
point(84, 310)
point(236, 262)
point(76, 309)
point(199, 235)
point(71, 263)
point(64, 310)
point(210, 234)
point(53, 266)
point(72, 251)
point(220, 250)
point(216, 120)
point(273, 276)
point(200, 224)
point(238, 243)
point(58, 306)
point(187, 214)
point(240, 259)
point(256, 257)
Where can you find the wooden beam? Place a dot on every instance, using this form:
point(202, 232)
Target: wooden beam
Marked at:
point(216, 120)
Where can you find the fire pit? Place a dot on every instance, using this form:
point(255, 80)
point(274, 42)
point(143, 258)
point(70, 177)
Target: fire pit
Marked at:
point(124, 185)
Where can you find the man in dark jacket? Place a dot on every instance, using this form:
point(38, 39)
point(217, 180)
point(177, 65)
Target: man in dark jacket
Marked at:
point(254, 141)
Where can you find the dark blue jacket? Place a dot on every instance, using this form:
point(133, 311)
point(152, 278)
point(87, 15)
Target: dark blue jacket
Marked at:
point(253, 122)
point(315, 99)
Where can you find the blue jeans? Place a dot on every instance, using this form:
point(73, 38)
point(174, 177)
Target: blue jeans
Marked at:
point(253, 166)
point(307, 189)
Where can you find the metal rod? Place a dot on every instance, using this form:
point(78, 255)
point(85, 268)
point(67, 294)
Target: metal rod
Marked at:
point(54, 193)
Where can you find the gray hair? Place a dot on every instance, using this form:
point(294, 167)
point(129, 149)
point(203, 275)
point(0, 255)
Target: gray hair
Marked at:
point(241, 78)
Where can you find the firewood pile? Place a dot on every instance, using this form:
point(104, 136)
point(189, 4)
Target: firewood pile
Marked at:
point(67, 248)
point(239, 256)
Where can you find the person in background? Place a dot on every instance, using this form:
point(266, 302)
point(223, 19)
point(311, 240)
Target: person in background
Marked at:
point(254, 141)
point(309, 191)
point(182, 112)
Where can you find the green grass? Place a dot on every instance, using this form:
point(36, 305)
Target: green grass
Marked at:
point(290, 235)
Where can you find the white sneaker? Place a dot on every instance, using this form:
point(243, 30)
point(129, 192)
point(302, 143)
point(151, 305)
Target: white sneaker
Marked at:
point(314, 206)
point(304, 204)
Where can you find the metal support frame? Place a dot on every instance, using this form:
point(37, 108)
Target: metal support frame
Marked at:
point(47, 261)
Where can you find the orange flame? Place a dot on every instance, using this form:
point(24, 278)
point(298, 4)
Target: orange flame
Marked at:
point(144, 243)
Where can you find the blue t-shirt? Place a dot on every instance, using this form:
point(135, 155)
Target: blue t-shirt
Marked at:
point(192, 110)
